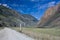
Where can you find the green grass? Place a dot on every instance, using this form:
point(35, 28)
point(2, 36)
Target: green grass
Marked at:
point(41, 33)
point(1, 28)
point(50, 31)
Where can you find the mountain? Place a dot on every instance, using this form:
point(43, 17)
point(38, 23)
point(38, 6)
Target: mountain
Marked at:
point(12, 18)
point(51, 18)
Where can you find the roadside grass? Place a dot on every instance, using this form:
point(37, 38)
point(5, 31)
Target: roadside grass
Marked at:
point(41, 33)
point(1, 28)
point(50, 31)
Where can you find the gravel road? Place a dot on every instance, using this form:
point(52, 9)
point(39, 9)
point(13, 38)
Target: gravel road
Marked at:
point(9, 34)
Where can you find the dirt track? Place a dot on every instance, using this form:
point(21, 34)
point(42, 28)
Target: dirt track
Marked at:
point(9, 34)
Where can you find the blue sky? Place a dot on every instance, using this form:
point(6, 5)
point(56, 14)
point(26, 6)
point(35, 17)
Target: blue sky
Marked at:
point(33, 7)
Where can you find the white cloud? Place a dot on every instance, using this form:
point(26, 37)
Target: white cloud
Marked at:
point(44, 6)
point(34, 0)
point(21, 11)
point(15, 5)
point(58, 2)
point(51, 4)
point(4, 5)
point(0, 3)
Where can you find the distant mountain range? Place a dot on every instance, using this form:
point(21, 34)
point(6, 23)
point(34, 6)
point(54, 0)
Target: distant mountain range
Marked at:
point(12, 18)
point(51, 18)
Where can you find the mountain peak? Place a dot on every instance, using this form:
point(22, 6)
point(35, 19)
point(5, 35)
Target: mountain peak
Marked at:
point(51, 17)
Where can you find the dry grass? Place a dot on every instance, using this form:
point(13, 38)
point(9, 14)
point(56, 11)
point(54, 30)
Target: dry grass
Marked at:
point(41, 34)
point(1, 28)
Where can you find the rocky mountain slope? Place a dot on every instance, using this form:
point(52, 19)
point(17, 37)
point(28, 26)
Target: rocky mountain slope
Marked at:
point(51, 17)
point(11, 18)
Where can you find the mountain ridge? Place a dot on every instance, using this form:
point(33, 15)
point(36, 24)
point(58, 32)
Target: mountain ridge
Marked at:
point(9, 17)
